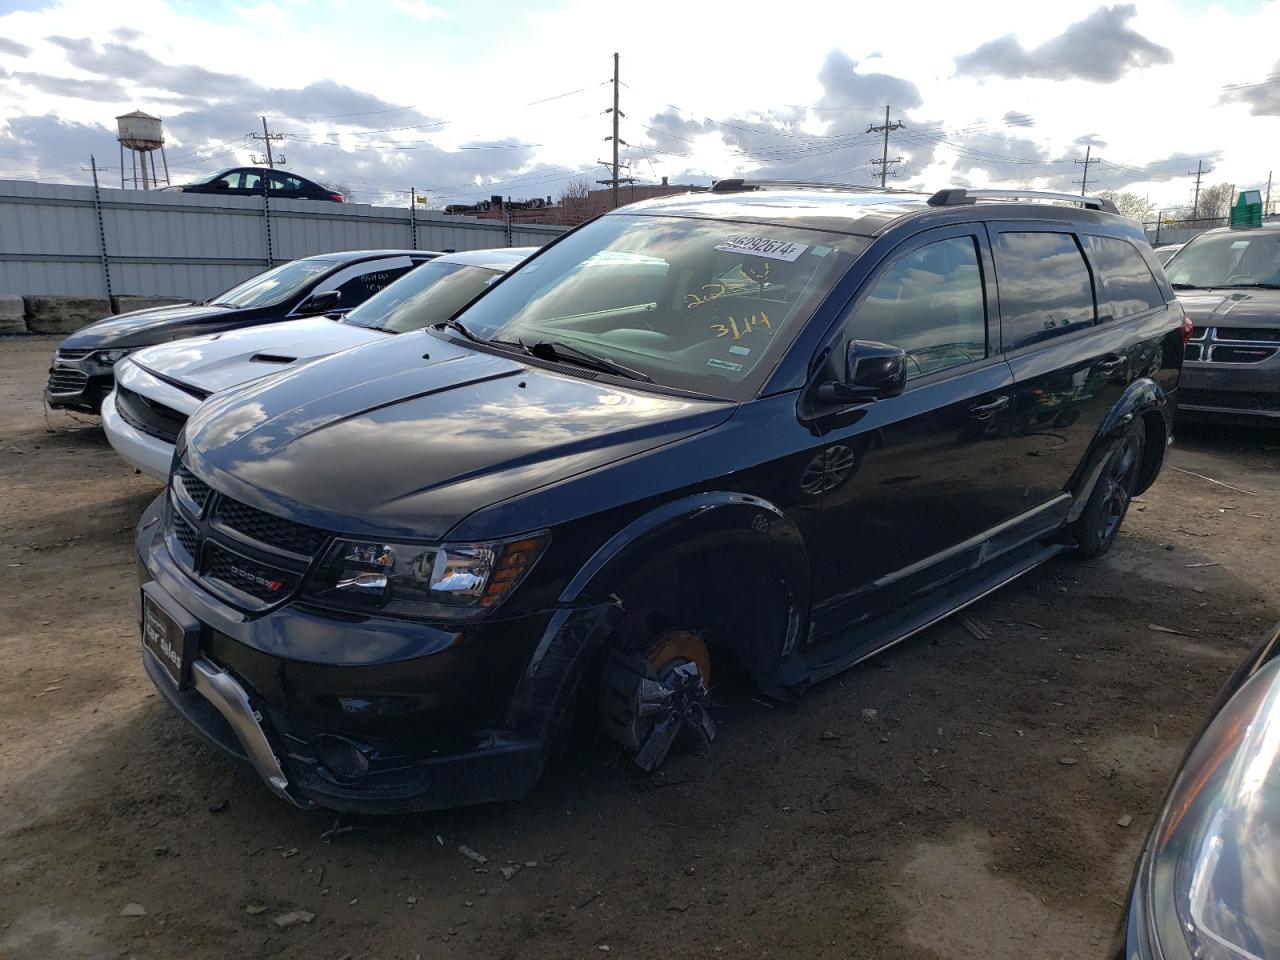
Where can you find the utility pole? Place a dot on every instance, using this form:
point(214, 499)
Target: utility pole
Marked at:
point(616, 115)
point(1266, 207)
point(615, 167)
point(1195, 204)
point(884, 162)
point(1088, 159)
point(266, 137)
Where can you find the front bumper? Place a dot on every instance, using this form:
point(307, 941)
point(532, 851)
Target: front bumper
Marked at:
point(253, 698)
point(149, 454)
point(1230, 389)
point(79, 383)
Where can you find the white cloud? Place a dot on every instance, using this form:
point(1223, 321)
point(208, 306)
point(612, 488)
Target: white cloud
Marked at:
point(421, 10)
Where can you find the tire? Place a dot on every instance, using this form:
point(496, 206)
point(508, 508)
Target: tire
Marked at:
point(1097, 527)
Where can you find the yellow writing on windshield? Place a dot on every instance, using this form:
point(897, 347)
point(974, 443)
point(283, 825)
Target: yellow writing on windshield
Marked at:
point(739, 329)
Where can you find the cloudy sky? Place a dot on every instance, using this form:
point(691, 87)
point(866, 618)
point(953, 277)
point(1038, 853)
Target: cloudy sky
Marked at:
point(465, 99)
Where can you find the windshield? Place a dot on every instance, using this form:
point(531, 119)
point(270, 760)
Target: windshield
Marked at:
point(274, 286)
point(700, 305)
point(430, 294)
point(1236, 259)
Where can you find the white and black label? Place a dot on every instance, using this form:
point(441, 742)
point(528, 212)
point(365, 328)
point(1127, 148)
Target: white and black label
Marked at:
point(762, 247)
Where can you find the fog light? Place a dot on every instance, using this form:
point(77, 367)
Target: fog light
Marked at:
point(342, 758)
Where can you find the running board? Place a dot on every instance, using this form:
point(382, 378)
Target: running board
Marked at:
point(851, 648)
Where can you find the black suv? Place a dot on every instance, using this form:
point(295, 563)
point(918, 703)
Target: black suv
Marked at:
point(83, 369)
point(761, 429)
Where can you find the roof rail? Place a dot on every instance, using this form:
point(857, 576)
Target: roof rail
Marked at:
point(739, 185)
point(957, 196)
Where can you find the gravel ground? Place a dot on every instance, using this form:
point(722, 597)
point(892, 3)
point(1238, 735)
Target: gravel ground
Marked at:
point(974, 816)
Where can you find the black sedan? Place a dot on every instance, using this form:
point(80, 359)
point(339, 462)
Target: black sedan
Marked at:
point(81, 375)
point(1208, 883)
point(250, 182)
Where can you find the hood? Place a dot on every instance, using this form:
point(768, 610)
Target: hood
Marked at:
point(224, 360)
point(1232, 308)
point(141, 326)
point(408, 436)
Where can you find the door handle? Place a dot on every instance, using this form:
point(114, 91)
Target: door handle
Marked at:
point(1110, 366)
point(985, 411)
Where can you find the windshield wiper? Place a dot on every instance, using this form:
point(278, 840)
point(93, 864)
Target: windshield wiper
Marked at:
point(1264, 286)
point(461, 327)
point(555, 350)
point(1185, 286)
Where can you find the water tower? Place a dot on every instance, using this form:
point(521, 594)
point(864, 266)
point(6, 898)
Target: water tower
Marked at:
point(140, 134)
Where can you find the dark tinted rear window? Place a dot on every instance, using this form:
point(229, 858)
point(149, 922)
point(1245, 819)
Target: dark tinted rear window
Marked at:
point(1125, 283)
point(1045, 289)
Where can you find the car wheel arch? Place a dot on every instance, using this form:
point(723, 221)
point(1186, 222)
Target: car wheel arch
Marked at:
point(1143, 399)
point(590, 615)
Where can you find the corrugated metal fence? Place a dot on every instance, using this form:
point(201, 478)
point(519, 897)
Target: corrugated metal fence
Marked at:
point(61, 240)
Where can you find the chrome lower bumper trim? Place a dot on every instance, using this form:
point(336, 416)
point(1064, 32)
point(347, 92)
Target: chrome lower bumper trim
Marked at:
point(229, 699)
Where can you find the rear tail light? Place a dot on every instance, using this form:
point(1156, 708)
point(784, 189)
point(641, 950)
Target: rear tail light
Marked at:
point(337, 198)
point(1187, 330)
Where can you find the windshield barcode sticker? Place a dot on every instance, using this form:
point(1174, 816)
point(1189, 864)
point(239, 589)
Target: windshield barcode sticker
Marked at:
point(762, 247)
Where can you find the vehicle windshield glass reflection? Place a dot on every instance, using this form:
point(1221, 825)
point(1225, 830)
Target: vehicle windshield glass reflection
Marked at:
point(429, 294)
point(696, 304)
point(274, 286)
point(1228, 260)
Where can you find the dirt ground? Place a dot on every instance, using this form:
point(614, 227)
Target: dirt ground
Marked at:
point(975, 816)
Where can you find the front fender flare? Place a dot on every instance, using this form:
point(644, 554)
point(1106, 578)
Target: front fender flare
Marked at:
point(587, 612)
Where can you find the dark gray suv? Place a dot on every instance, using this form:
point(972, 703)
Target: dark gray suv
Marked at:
point(1229, 283)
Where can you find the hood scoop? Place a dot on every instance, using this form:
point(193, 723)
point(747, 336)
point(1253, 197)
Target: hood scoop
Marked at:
point(271, 358)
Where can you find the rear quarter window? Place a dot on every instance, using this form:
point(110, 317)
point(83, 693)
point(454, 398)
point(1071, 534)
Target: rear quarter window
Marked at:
point(1045, 287)
point(1125, 283)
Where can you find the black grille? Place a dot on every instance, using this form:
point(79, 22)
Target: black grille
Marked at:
point(73, 354)
point(1197, 333)
point(1231, 399)
point(66, 381)
point(261, 582)
point(153, 419)
point(1193, 351)
point(270, 530)
point(1255, 334)
point(1225, 354)
point(185, 534)
point(197, 490)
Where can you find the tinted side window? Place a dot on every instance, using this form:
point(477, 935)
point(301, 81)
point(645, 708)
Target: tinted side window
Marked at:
point(931, 304)
point(1125, 283)
point(252, 181)
point(1045, 290)
point(361, 287)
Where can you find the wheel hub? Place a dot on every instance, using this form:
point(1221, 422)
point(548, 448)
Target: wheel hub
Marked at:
point(647, 706)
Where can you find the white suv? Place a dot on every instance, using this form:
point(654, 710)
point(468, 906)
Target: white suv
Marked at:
point(159, 387)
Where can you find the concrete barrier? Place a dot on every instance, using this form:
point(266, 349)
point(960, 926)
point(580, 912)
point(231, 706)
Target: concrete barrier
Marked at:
point(129, 304)
point(64, 314)
point(12, 314)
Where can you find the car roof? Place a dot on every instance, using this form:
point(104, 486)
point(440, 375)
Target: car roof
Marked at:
point(852, 211)
point(355, 256)
point(863, 214)
point(498, 258)
point(1268, 226)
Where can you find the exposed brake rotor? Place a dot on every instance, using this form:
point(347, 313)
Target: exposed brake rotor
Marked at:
point(650, 700)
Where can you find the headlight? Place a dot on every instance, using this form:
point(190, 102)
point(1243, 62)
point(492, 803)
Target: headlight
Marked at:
point(1209, 887)
point(110, 357)
point(421, 581)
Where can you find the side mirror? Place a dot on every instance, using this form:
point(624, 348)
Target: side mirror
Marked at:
point(873, 371)
point(321, 302)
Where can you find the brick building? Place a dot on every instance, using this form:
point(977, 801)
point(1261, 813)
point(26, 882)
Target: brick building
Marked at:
point(571, 210)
